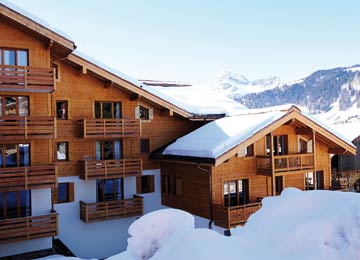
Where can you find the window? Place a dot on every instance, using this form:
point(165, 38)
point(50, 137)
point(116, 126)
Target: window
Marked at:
point(280, 145)
point(14, 106)
point(63, 193)
point(62, 109)
point(107, 109)
point(236, 192)
point(145, 184)
point(14, 155)
point(14, 57)
point(144, 146)
point(108, 150)
point(15, 204)
point(110, 190)
point(62, 151)
point(250, 150)
point(144, 113)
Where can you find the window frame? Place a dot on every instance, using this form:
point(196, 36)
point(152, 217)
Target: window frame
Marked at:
point(145, 184)
point(66, 113)
point(2, 56)
point(19, 212)
point(3, 159)
point(114, 152)
point(146, 142)
point(100, 192)
point(113, 110)
point(66, 151)
point(17, 104)
point(69, 190)
point(240, 200)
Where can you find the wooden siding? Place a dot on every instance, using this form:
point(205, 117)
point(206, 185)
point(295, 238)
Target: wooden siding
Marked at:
point(28, 178)
point(28, 228)
point(107, 210)
point(194, 195)
point(110, 169)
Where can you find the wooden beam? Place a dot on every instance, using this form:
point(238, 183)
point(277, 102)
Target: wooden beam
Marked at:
point(134, 97)
point(49, 44)
point(303, 131)
point(336, 150)
point(109, 84)
point(82, 71)
point(314, 154)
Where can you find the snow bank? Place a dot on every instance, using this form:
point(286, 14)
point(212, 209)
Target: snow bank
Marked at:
point(150, 232)
point(296, 225)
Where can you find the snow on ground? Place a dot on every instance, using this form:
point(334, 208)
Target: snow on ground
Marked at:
point(197, 100)
point(296, 225)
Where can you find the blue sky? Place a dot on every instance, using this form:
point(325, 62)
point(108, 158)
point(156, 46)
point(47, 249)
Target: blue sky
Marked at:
point(194, 40)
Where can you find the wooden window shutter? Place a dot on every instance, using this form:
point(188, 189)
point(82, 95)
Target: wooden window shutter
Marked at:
point(178, 186)
point(138, 184)
point(71, 192)
point(54, 195)
point(151, 113)
point(151, 183)
point(137, 112)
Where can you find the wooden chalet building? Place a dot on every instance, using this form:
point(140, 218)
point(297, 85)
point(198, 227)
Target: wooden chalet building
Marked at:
point(222, 170)
point(74, 143)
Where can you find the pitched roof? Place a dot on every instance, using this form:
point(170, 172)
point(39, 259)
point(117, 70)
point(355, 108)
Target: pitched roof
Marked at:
point(60, 43)
point(223, 138)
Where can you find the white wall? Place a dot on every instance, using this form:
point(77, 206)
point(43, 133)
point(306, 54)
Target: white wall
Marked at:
point(40, 204)
point(105, 238)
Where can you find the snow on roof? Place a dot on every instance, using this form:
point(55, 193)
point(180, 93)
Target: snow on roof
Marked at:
point(107, 68)
point(36, 19)
point(197, 100)
point(219, 136)
point(350, 130)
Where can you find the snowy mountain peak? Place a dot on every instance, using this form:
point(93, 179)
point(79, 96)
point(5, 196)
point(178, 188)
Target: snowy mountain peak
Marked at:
point(236, 85)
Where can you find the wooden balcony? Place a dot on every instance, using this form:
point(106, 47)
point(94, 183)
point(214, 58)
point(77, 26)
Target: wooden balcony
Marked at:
point(228, 217)
point(110, 169)
point(28, 228)
point(26, 128)
point(107, 210)
point(28, 178)
point(285, 163)
point(109, 128)
point(26, 79)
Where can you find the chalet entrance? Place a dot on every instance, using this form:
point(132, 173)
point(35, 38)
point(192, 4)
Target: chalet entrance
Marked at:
point(279, 184)
point(320, 180)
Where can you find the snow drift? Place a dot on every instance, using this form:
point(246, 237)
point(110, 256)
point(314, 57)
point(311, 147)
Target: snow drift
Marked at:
point(296, 225)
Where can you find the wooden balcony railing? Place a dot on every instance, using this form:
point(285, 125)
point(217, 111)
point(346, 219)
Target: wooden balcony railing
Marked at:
point(23, 78)
point(228, 217)
point(27, 128)
point(28, 228)
point(110, 169)
point(285, 163)
point(28, 178)
point(109, 128)
point(107, 210)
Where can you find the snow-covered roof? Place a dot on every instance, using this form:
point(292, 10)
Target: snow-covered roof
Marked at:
point(350, 130)
point(197, 100)
point(108, 68)
point(220, 136)
point(34, 18)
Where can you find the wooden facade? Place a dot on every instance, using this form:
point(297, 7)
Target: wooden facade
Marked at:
point(60, 94)
point(302, 161)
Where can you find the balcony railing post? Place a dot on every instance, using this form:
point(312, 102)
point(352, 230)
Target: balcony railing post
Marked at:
point(26, 177)
point(25, 77)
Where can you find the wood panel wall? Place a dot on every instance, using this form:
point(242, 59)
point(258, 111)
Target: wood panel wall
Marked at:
point(195, 194)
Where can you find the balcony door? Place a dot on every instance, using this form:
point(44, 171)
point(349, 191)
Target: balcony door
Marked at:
point(110, 190)
point(280, 145)
point(236, 192)
point(14, 155)
point(14, 106)
point(108, 150)
point(15, 204)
